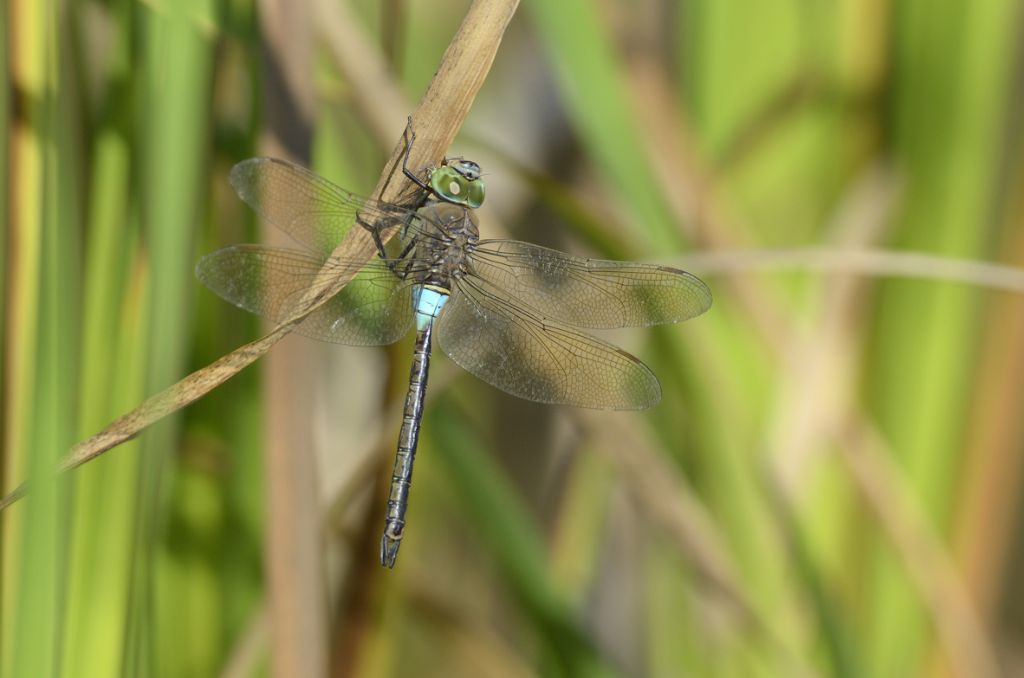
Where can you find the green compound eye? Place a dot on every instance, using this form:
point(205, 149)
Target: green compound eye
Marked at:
point(459, 183)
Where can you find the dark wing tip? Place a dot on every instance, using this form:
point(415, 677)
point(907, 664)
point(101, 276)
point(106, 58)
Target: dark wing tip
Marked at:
point(245, 174)
point(242, 175)
point(707, 299)
point(650, 394)
point(243, 168)
point(207, 270)
point(700, 292)
point(202, 267)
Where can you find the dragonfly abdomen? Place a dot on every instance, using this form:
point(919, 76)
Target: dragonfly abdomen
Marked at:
point(428, 300)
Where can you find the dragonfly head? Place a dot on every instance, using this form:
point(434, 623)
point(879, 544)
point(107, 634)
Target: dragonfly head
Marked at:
point(458, 181)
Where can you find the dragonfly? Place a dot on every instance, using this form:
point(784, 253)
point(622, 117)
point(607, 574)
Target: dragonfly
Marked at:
point(512, 313)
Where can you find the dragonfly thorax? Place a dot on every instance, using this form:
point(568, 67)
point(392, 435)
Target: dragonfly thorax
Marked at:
point(449, 234)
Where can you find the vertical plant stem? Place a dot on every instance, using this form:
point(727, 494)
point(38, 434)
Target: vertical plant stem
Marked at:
point(27, 75)
point(948, 137)
point(43, 372)
point(293, 547)
point(178, 53)
point(105, 498)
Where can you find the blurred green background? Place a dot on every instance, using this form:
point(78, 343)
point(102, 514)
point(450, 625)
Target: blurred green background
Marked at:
point(829, 486)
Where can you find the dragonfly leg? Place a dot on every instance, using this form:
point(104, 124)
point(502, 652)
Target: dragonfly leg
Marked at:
point(379, 244)
point(392, 264)
point(375, 233)
point(408, 248)
point(410, 135)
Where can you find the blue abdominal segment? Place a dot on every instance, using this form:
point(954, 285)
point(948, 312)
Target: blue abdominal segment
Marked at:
point(428, 302)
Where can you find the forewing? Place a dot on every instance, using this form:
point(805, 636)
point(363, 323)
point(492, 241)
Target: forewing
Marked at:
point(312, 210)
point(373, 309)
point(590, 293)
point(512, 348)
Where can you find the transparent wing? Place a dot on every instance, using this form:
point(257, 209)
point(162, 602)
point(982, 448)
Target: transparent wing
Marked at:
point(374, 309)
point(512, 348)
point(312, 210)
point(590, 293)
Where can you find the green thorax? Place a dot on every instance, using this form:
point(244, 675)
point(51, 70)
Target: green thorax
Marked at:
point(458, 181)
